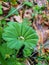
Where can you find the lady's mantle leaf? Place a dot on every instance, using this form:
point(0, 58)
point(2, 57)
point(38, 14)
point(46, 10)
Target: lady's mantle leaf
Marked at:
point(19, 34)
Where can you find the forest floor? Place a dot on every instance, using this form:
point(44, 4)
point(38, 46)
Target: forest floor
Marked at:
point(36, 13)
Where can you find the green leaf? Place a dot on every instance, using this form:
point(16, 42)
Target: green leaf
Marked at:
point(39, 63)
point(28, 3)
point(1, 31)
point(19, 34)
point(13, 61)
point(1, 12)
point(11, 1)
point(3, 23)
point(12, 12)
point(36, 8)
point(48, 0)
point(5, 51)
point(27, 51)
point(26, 21)
point(3, 62)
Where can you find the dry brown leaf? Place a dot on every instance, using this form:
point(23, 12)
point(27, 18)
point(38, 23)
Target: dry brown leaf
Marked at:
point(5, 10)
point(6, 4)
point(17, 18)
point(27, 13)
point(41, 32)
point(47, 31)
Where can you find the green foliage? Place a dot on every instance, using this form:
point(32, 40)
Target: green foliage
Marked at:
point(2, 61)
point(28, 3)
point(1, 31)
point(48, 0)
point(5, 0)
point(13, 61)
point(37, 10)
point(39, 63)
point(12, 1)
point(26, 21)
point(10, 61)
point(7, 56)
point(12, 12)
point(1, 12)
point(3, 23)
point(5, 51)
point(17, 35)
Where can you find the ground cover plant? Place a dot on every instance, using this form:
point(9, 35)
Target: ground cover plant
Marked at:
point(24, 32)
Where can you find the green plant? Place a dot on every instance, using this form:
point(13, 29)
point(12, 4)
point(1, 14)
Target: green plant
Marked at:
point(1, 12)
point(48, 0)
point(17, 35)
point(1, 31)
point(37, 10)
point(28, 3)
point(12, 1)
point(12, 12)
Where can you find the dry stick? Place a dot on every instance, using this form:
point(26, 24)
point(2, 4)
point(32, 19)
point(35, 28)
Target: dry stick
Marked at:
point(27, 62)
point(21, 6)
point(33, 54)
point(30, 61)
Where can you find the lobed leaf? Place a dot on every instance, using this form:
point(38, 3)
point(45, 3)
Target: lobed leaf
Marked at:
point(19, 34)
